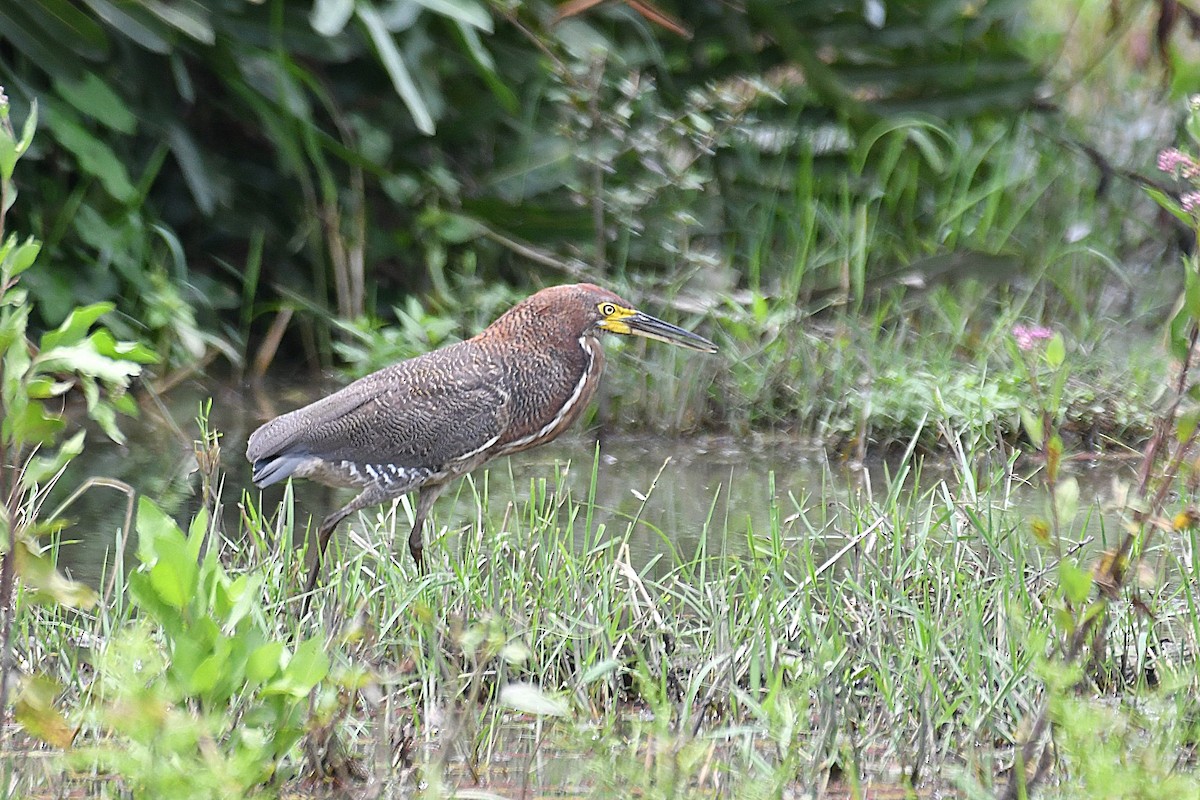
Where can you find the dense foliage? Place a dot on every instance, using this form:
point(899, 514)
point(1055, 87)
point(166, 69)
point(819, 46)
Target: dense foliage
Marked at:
point(206, 163)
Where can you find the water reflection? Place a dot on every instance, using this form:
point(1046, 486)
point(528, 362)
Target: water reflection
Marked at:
point(675, 490)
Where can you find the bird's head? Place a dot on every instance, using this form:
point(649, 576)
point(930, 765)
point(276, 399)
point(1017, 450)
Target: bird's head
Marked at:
point(595, 309)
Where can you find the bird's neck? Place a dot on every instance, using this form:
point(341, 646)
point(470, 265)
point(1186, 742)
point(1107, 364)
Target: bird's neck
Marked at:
point(552, 385)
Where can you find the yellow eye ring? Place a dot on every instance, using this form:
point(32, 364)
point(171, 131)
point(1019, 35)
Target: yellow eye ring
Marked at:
point(608, 309)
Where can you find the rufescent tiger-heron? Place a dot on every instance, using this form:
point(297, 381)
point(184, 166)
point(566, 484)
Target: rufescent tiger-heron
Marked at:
point(419, 424)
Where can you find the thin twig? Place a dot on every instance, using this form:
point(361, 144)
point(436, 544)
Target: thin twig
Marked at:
point(270, 343)
point(575, 269)
point(7, 567)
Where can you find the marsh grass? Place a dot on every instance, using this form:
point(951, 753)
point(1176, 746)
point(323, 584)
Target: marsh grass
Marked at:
point(889, 634)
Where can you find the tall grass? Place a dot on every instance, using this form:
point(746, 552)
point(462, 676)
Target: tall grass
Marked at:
point(891, 633)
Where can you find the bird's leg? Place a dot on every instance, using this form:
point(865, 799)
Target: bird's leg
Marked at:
point(416, 540)
point(324, 533)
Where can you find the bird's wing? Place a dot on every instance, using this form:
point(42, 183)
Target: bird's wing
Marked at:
point(421, 413)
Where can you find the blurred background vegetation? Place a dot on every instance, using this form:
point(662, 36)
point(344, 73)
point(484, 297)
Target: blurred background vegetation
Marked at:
point(237, 173)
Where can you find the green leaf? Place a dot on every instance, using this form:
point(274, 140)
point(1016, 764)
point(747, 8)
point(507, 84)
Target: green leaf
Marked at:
point(104, 415)
point(39, 46)
point(354, 678)
point(153, 527)
point(1168, 204)
point(530, 699)
point(600, 670)
point(197, 533)
point(244, 591)
point(1065, 621)
point(186, 656)
point(1184, 70)
point(464, 11)
point(1179, 332)
point(94, 156)
point(1076, 583)
point(1066, 498)
point(94, 98)
point(84, 359)
point(125, 404)
point(11, 150)
point(22, 257)
point(393, 62)
point(12, 337)
point(264, 662)
point(1188, 420)
point(456, 228)
point(72, 27)
point(307, 667)
point(205, 631)
point(196, 174)
point(34, 710)
point(42, 468)
point(190, 19)
point(28, 422)
point(43, 388)
point(515, 653)
point(37, 572)
point(75, 326)
point(329, 17)
point(1094, 609)
point(1032, 423)
point(206, 674)
point(174, 573)
point(17, 363)
point(8, 155)
point(27, 129)
point(1191, 291)
point(135, 23)
point(1056, 351)
point(151, 605)
point(107, 345)
point(1057, 386)
point(486, 66)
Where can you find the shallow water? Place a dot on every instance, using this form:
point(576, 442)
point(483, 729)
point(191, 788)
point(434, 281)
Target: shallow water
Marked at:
point(674, 492)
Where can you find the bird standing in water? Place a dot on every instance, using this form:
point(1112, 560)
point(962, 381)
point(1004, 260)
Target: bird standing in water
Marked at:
point(419, 424)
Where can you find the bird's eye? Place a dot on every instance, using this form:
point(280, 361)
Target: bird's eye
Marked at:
point(608, 309)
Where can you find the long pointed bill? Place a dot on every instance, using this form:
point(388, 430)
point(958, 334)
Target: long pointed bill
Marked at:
point(654, 328)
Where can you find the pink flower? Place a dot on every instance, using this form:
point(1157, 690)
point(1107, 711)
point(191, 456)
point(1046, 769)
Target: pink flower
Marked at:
point(1174, 160)
point(1190, 201)
point(1029, 335)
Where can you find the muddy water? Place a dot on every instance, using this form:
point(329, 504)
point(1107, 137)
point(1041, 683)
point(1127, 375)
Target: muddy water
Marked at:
point(672, 492)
